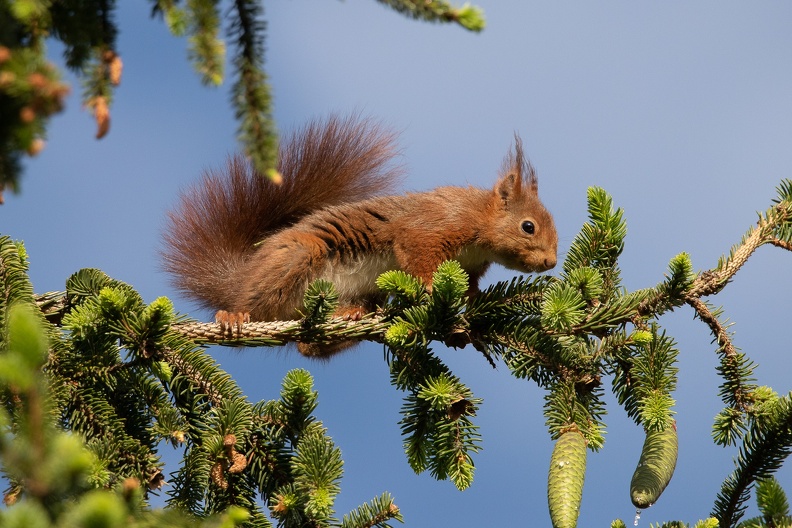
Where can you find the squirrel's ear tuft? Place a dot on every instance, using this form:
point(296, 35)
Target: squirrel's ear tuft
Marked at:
point(517, 174)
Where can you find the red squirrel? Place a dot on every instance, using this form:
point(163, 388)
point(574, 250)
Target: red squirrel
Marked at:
point(241, 244)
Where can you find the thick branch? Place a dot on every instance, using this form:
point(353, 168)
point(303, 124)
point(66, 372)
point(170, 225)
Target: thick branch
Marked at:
point(713, 281)
point(274, 333)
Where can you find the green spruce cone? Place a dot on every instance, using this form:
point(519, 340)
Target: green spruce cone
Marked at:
point(565, 479)
point(655, 467)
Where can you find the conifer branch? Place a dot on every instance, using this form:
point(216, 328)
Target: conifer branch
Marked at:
point(277, 333)
point(764, 448)
point(738, 389)
point(776, 218)
point(783, 244)
point(251, 95)
point(207, 50)
point(565, 333)
point(204, 385)
point(467, 16)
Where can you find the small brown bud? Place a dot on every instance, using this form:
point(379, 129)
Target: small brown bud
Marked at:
point(459, 409)
point(275, 176)
point(6, 78)
point(36, 146)
point(11, 496)
point(238, 464)
point(217, 476)
point(115, 68)
point(130, 485)
point(156, 481)
point(27, 114)
point(280, 506)
point(229, 440)
point(101, 114)
point(5, 54)
point(37, 80)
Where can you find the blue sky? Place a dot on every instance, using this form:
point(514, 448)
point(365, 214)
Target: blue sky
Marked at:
point(681, 111)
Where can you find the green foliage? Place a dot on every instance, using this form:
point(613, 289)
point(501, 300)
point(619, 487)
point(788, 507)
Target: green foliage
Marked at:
point(467, 16)
point(645, 377)
point(765, 445)
point(375, 513)
point(207, 50)
point(30, 87)
point(566, 333)
point(737, 390)
point(600, 242)
point(88, 406)
point(706, 523)
point(31, 91)
point(54, 476)
point(436, 422)
point(321, 300)
point(123, 377)
point(773, 506)
point(569, 405)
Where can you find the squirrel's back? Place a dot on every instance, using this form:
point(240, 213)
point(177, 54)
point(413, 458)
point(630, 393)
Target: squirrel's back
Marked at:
point(221, 219)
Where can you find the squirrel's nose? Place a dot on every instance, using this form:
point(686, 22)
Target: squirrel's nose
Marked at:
point(549, 263)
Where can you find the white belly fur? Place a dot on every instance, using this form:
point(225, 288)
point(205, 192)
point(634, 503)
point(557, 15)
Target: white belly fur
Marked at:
point(359, 276)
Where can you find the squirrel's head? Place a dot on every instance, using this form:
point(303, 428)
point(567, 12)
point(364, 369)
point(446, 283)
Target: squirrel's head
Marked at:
point(522, 234)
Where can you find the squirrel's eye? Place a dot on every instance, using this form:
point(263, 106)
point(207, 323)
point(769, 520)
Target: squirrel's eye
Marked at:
point(528, 227)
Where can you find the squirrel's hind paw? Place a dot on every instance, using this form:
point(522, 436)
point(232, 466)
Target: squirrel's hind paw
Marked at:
point(231, 322)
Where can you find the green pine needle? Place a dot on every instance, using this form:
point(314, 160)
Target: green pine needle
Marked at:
point(320, 302)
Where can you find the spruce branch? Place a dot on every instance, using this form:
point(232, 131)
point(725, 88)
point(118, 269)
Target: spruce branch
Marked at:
point(197, 378)
point(732, 361)
point(645, 377)
point(783, 244)
point(773, 506)
point(207, 50)
point(565, 333)
point(776, 220)
point(251, 93)
point(277, 333)
point(88, 31)
point(467, 16)
point(764, 448)
point(375, 513)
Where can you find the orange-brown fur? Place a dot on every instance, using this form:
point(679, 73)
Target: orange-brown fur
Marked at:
point(242, 244)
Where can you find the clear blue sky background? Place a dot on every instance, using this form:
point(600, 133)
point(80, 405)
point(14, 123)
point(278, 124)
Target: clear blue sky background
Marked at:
point(682, 111)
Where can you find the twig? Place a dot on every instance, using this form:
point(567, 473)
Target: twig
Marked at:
point(781, 243)
point(730, 353)
point(718, 330)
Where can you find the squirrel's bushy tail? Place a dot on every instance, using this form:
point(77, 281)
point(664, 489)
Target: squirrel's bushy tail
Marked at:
point(219, 221)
